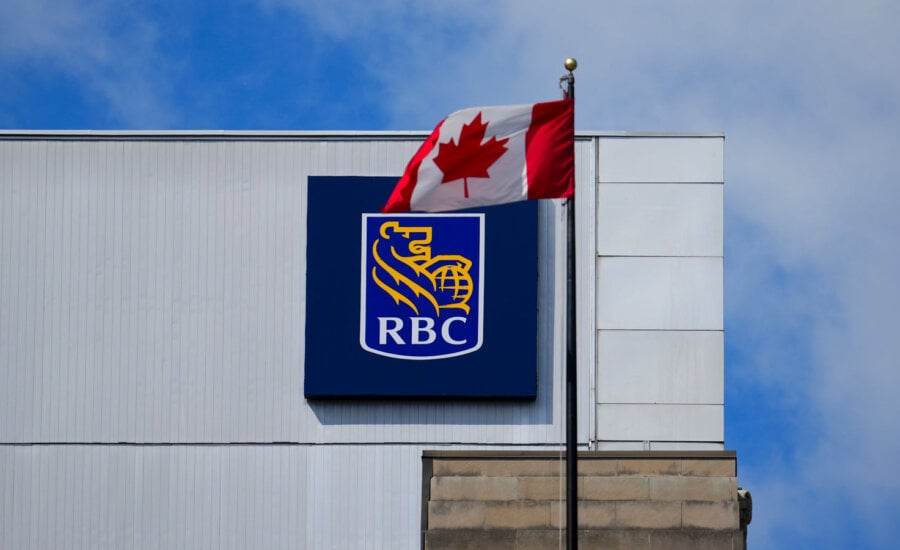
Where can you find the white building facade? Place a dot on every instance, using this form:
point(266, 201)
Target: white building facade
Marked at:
point(152, 316)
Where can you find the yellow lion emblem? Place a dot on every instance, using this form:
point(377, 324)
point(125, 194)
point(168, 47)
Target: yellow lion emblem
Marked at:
point(443, 280)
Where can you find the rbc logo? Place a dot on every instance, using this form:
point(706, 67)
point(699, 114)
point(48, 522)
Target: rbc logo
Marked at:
point(422, 285)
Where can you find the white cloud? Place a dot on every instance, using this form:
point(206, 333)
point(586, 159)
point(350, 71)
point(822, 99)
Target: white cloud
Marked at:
point(106, 47)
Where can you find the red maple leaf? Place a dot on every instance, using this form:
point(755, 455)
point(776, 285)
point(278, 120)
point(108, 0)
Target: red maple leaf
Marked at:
point(471, 158)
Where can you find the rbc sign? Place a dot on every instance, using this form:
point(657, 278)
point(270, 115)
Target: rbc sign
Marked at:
point(415, 305)
point(421, 285)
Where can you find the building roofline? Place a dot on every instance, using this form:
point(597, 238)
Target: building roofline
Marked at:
point(281, 135)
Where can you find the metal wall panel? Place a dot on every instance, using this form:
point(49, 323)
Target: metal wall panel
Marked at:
point(686, 446)
point(210, 496)
point(653, 366)
point(659, 293)
point(153, 291)
point(607, 445)
point(586, 287)
point(658, 219)
point(655, 422)
point(673, 159)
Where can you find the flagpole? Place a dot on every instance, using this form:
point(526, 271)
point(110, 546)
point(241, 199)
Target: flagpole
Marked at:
point(571, 363)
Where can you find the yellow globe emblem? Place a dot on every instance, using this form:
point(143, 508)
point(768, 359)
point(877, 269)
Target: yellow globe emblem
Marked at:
point(455, 279)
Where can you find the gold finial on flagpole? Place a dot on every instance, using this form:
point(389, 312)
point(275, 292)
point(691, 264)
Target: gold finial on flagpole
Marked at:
point(569, 90)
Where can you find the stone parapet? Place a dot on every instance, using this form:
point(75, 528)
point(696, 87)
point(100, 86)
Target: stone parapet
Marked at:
point(517, 500)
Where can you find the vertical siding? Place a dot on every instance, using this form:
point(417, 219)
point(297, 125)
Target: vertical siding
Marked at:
point(586, 285)
point(233, 496)
point(153, 291)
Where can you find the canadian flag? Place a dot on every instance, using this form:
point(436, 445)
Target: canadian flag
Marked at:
point(491, 155)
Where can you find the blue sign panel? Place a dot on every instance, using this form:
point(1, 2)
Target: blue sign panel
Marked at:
point(417, 305)
point(421, 285)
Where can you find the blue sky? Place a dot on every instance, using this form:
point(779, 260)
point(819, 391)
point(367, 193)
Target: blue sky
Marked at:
point(807, 93)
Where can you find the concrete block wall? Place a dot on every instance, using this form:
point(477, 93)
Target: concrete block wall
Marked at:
point(516, 500)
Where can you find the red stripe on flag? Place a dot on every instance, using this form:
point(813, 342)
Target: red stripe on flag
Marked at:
point(550, 150)
point(402, 194)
